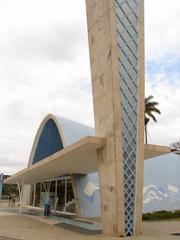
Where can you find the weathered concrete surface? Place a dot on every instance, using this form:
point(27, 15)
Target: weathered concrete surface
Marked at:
point(26, 228)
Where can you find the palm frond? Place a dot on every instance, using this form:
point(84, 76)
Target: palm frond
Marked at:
point(150, 108)
point(152, 116)
point(149, 104)
point(156, 110)
point(147, 99)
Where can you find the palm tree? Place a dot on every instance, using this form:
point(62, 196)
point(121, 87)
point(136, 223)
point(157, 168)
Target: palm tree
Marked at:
point(150, 108)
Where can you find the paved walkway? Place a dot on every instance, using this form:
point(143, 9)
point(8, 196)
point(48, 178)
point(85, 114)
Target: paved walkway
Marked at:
point(16, 227)
point(26, 228)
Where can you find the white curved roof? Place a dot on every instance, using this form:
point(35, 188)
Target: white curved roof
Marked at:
point(73, 131)
point(70, 132)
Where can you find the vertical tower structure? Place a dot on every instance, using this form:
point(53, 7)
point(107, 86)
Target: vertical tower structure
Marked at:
point(116, 43)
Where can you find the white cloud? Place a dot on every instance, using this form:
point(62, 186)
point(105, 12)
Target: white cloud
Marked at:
point(43, 28)
point(162, 29)
point(162, 34)
point(167, 130)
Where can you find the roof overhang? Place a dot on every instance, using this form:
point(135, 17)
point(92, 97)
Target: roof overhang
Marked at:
point(78, 158)
point(151, 151)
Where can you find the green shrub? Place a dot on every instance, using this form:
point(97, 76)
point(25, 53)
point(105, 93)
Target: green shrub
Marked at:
point(161, 215)
point(8, 189)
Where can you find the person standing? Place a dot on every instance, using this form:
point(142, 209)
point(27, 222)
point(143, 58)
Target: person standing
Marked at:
point(47, 206)
point(9, 199)
point(13, 199)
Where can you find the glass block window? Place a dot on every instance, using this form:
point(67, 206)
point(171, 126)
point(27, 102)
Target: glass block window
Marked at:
point(49, 142)
point(127, 38)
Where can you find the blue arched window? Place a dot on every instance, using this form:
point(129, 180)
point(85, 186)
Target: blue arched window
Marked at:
point(49, 142)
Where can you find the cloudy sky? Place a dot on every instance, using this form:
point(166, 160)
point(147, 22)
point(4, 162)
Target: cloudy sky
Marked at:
point(44, 68)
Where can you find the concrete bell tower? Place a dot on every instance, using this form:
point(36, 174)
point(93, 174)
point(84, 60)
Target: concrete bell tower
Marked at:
point(116, 43)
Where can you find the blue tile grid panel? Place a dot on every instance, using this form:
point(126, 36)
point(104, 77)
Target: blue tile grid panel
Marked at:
point(127, 39)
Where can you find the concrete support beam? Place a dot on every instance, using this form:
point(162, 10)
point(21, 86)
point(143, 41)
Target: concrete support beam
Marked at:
point(107, 21)
point(106, 85)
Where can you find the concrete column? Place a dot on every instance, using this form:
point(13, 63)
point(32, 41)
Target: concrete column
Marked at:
point(106, 99)
point(112, 99)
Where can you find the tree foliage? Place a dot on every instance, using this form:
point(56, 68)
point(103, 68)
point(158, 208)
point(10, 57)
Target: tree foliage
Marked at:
point(150, 110)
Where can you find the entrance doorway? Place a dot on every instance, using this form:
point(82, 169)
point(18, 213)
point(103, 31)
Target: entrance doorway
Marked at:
point(60, 192)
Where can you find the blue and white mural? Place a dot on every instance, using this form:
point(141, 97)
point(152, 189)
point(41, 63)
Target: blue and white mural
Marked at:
point(161, 185)
point(88, 195)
